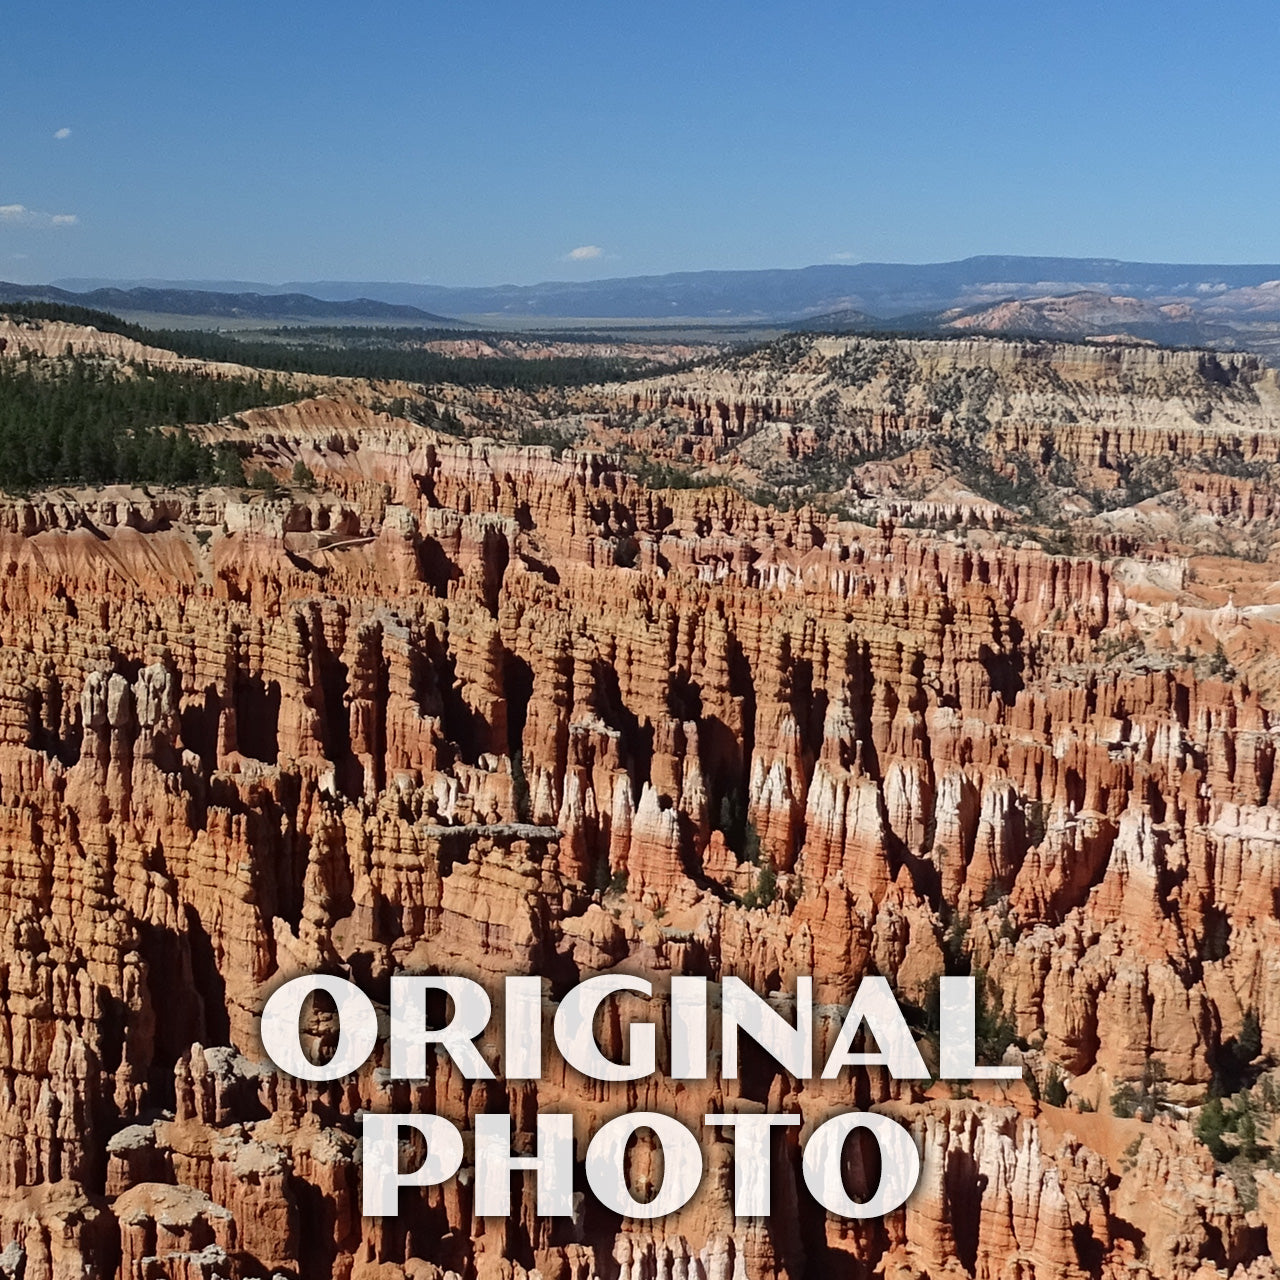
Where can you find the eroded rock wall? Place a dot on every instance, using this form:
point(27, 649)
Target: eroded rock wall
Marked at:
point(243, 740)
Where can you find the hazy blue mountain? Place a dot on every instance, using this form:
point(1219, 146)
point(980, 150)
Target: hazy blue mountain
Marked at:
point(881, 289)
point(181, 301)
point(87, 284)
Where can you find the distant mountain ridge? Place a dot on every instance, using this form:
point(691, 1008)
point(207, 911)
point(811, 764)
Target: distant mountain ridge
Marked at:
point(885, 290)
point(179, 301)
point(1231, 306)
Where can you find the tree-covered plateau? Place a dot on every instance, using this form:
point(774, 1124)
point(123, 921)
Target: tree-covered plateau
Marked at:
point(82, 421)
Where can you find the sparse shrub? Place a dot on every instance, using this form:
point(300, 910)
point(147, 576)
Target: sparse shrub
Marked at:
point(228, 468)
point(1008, 928)
point(1270, 1094)
point(1246, 1180)
point(661, 475)
point(1211, 1124)
point(1235, 1061)
point(767, 884)
point(1153, 1089)
point(795, 889)
point(1218, 666)
point(541, 433)
point(1215, 1121)
point(953, 947)
point(1035, 820)
point(303, 477)
point(450, 423)
point(994, 895)
point(738, 831)
point(994, 1031)
point(1246, 1129)
point(1145, 1098)
point(1249, 1041)
point(261, 478)
point(601, 876)
point(765, 891)
point(1115, 648)
point(975, 470)
point(1055, 1088)
point(626, 552)
point(1124, 1101)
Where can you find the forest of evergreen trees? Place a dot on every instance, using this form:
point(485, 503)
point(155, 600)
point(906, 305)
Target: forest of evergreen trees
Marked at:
point(76, 420)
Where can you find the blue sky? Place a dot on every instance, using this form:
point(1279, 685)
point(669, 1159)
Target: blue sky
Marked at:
point(485, 143)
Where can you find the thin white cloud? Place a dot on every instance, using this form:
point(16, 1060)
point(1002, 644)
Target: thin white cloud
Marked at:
point(844, 256)
point(585, 253)
point(62, 133)
point(18, 215)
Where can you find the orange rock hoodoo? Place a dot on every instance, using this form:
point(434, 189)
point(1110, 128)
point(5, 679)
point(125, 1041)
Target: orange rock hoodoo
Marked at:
point(235, 737)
